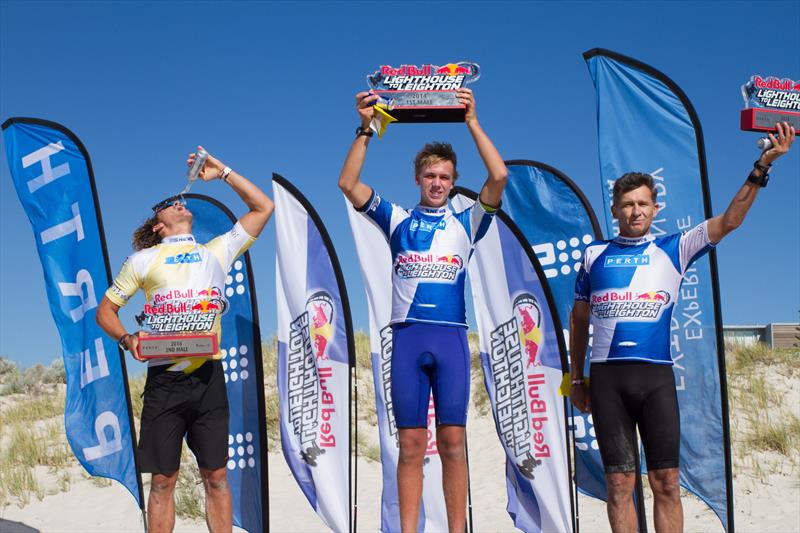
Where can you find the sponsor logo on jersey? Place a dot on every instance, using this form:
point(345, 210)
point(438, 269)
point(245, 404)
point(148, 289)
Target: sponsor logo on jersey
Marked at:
point(189, 257)
point(183, 310)
point(429, 267)
point(627, 260)
point(426, 225)
point(629, 304)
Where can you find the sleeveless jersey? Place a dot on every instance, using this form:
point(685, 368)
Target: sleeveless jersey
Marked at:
point(430, 248)
point(631, 286)
point(183, 283)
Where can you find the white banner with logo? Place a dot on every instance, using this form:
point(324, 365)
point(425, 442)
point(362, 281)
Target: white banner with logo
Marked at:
point(314, 354)
point(375, 259)
point(521, 356)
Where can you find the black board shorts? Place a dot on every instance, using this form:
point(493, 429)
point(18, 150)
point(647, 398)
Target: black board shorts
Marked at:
point(178, 404)
point(627, 394)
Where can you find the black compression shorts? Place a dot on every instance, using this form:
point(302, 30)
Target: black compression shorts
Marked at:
point(625, 395)
point(178, 404)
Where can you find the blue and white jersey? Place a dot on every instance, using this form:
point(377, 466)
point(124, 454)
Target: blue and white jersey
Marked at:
point(430, 248)
point(631, 286)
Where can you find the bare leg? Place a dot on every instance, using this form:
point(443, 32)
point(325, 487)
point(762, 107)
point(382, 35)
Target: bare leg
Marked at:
point(621, 513)
point(409, 475)
point(219, 514)
point(667, 509)
point(161, 504)
point(450, 441)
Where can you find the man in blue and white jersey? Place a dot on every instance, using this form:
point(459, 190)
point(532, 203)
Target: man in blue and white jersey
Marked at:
point(430, 247)
point(626, 289)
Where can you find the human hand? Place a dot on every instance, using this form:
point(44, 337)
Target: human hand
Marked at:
point(364, 102)
point(212, 168)
point(780, 143)
point(465, 97)
point(132, 345)
point(579, 394)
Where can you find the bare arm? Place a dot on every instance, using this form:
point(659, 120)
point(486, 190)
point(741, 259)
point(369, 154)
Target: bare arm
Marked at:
point(261, 207)
point(350, 177)
point(492, 190)
point(720, 225)
point(578, 342)
point(107, 318)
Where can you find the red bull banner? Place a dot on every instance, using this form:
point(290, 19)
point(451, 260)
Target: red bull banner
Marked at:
point(315, 353)
point(375, 259)
point(522, 355)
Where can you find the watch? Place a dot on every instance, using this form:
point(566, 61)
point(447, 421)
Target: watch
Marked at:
point(365, 132)
point(761, 180)
point(121, 342)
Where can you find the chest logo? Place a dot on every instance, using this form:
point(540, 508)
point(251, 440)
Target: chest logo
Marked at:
point(189, 257)
point(627, 260)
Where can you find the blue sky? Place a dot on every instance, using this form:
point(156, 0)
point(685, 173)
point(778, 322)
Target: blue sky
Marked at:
point(268, 87)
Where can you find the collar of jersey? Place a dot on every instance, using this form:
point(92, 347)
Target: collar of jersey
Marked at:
point(633, 241)
point(433, 211)
point(184, 238)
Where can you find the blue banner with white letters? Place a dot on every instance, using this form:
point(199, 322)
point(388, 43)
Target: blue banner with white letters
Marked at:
point(240, 346)
point(558, 221)
point(647, 124)
point(53, 177)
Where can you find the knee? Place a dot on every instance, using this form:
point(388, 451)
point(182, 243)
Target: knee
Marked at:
point(412, 449)
point(215, 480)
point(620, 487)
point(163, 485)
point(665, 483)
point(451, 448)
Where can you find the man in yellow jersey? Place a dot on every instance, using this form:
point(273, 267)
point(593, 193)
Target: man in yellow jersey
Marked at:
point(183, 281)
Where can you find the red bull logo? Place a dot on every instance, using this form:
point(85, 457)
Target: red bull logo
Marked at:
point(785, 84)
point(529, 319)
point(205, 306)
point(453, 69)
point(451, 260)
point(320, 309)
point(653, 296)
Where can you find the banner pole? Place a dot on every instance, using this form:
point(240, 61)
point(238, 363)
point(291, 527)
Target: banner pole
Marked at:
point(468, 526)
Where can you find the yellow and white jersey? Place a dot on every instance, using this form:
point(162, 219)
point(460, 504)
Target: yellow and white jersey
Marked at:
point(183, 282)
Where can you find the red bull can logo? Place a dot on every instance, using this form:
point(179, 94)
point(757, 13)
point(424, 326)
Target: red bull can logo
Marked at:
point(529, 321)
point(320, 311)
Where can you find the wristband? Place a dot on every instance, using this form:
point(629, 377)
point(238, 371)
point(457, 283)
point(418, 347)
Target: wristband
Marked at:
point(761, 180)
point(575, 382)
point(365, 132)
point(225, 172)
point(762, 168)
point(121, 342)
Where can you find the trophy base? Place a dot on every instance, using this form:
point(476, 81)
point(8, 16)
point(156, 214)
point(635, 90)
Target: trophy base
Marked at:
point(155, 346)
point(424, 106)
point(759, 119)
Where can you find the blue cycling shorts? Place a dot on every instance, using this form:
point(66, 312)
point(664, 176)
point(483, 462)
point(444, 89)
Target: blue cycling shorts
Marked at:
point(425, 358)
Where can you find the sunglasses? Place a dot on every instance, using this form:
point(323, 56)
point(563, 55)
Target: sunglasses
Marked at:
point(168, 202)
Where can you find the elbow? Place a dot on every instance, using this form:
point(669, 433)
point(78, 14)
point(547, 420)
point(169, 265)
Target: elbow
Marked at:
point(346, 185)
point(501, 177)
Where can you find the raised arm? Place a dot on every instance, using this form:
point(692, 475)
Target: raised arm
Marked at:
point(350, 177)
point(492, 190)
point(260, 205)
point(732, 218)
